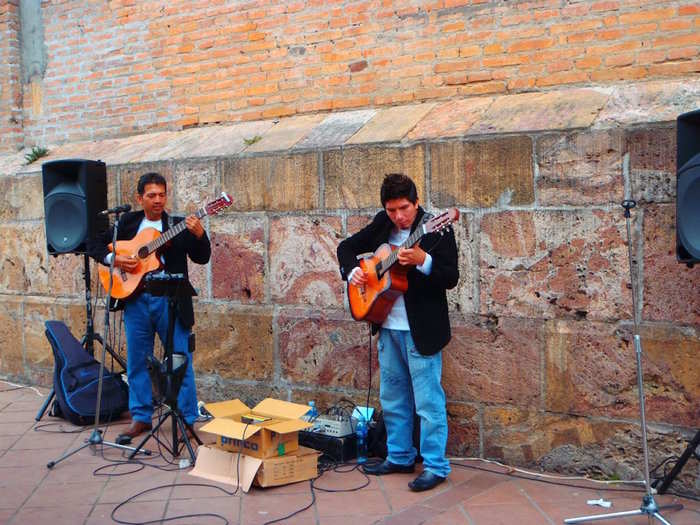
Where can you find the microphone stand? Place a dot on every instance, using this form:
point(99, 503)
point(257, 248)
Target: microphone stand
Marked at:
point(96, 435)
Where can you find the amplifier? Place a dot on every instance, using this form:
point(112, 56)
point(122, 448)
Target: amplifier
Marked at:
point(340, 449)
point(333, 425)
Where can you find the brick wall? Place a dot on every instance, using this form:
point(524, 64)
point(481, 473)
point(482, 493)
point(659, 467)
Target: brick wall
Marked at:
point(10, 86)
point(116, 68)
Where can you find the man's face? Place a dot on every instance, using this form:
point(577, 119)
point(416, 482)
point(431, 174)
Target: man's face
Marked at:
point(402, 212)
point(153, 200)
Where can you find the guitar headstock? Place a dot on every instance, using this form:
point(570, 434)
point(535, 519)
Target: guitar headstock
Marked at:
point(215, 206)
point(442, 221)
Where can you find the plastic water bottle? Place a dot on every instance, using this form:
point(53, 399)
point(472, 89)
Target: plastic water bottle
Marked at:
point(361, 434)
point(312, 413)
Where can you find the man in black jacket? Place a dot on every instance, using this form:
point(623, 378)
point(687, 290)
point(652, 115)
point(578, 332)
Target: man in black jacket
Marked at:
point(413, 334)
point(146, 314)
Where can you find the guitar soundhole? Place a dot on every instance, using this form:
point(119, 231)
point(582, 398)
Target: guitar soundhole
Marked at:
point(143, 252)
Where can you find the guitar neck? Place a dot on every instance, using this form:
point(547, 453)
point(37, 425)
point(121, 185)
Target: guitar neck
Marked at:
point(181, 226)
point(389, 261)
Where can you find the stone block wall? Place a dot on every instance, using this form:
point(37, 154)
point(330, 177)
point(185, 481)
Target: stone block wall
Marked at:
point(541, 368)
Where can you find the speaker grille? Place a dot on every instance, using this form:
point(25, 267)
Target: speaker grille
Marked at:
point(65, 221)
point(688, 208)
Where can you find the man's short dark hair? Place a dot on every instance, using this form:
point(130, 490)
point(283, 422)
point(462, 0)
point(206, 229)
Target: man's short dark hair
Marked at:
point(398, 186)
point(150, 178)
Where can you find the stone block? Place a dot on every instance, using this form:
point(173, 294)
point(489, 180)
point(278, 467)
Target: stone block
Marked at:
point(353, 176)
point(215, 141)
point(564, 109)
point(234, 342)
point(195, 184)
point(391, 124)
point(335, 129)
point(464, 430)
point(11, 361)
point(357, 222)
point(483, 174)
point(285, 133)
point(211, 388)
point(21, 198)
point(37, 348)
point(554, 264)
point(65, 275)
point(494, 361)
point(273, 183)
point(326, 349)
point(652, 164)
point(23, 258)
point(450, 119)
point(580, 168)
point(303, 262)
point(238, 258)
point(671, 290)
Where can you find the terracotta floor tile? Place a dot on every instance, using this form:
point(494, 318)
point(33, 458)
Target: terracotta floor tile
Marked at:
point(504, 514)
point(465, 491)
point(228, 507)
point(14, 495)
point(21, 475)
point(56, 515)
point(362, 502)
point(59, 494)
point(26, 458)
point(453, 516)
point(260, 510)
point(134, 511)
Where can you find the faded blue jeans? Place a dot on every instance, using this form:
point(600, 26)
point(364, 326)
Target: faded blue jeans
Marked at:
point(144, 316)
point(410, 381)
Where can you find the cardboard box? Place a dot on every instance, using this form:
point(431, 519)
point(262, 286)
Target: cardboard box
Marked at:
point(269, 429)
point(242, 470)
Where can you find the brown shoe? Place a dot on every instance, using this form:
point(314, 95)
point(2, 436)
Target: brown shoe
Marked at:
point(136, 428)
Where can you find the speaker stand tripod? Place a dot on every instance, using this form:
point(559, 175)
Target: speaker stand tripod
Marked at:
point(172, 286)
point(649, 507)
point(96, 437)
point(88, 340)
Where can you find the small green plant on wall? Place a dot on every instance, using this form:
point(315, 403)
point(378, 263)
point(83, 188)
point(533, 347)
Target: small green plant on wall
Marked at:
point(36, 153)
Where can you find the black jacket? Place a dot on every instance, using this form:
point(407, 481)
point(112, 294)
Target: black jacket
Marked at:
point(426, 297)
point(182, 245)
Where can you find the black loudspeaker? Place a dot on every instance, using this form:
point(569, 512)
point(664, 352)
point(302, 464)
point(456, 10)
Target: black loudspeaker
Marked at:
point(688, 188)
point(75, 191)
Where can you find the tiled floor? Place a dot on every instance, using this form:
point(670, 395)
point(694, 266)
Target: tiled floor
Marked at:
point(71, 493)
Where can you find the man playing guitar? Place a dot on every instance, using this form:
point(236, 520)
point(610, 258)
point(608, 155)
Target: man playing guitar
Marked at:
point(413, 333)
point(145, 314)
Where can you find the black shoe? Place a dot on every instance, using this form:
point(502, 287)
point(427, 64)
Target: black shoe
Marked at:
point(135, 429)
point(426, 481)
point(387, 467)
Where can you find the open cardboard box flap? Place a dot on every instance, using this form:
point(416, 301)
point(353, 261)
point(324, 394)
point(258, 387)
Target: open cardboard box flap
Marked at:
point(276, 408)
point(224, 467)
point(226, 408)
point(230, 428)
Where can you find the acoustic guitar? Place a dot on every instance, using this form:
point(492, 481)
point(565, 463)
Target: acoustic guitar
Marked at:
point(145, 247)
point(386, 280)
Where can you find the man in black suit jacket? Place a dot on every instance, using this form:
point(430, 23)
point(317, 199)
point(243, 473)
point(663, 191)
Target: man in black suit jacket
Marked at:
point(145, 314)
point(413, 334)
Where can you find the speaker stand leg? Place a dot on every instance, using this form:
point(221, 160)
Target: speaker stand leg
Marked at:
point(46, 404)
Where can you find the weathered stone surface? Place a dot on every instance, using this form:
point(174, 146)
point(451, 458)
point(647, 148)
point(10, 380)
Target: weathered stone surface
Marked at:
point(234, 343)
point(494, 361)
point(523, 436)
point(324, 348)
point(23, 254)
point(580, 168)
point(196, 183)
point(238, 258)
point(487, 173)
point(13, 163)
point(554, 264)
point(211, 388)
point(652, 164)
point(303, 262)
point(671, 290)
point(464, 431)
point(213, 141)
point(37, 347)
point(451, 119)
point(274, 182)
point(129, 175)
point(285, 133)
point(357, 222)
point(391, 124)
point(354, 175)
point(565, 109)
point(324, 399)
point(335, 129)
point(464, 298)
point(645, 102)
point(199, 278)
point(65, 275)
point(21, 198)
point(11, 361)
point(619, 454)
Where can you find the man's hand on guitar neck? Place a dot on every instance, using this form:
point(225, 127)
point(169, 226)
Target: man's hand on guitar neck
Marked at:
point(195, 226)
point(411, 256)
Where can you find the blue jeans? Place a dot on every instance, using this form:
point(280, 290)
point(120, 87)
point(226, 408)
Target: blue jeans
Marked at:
point(144, 316)
point(411, 382)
